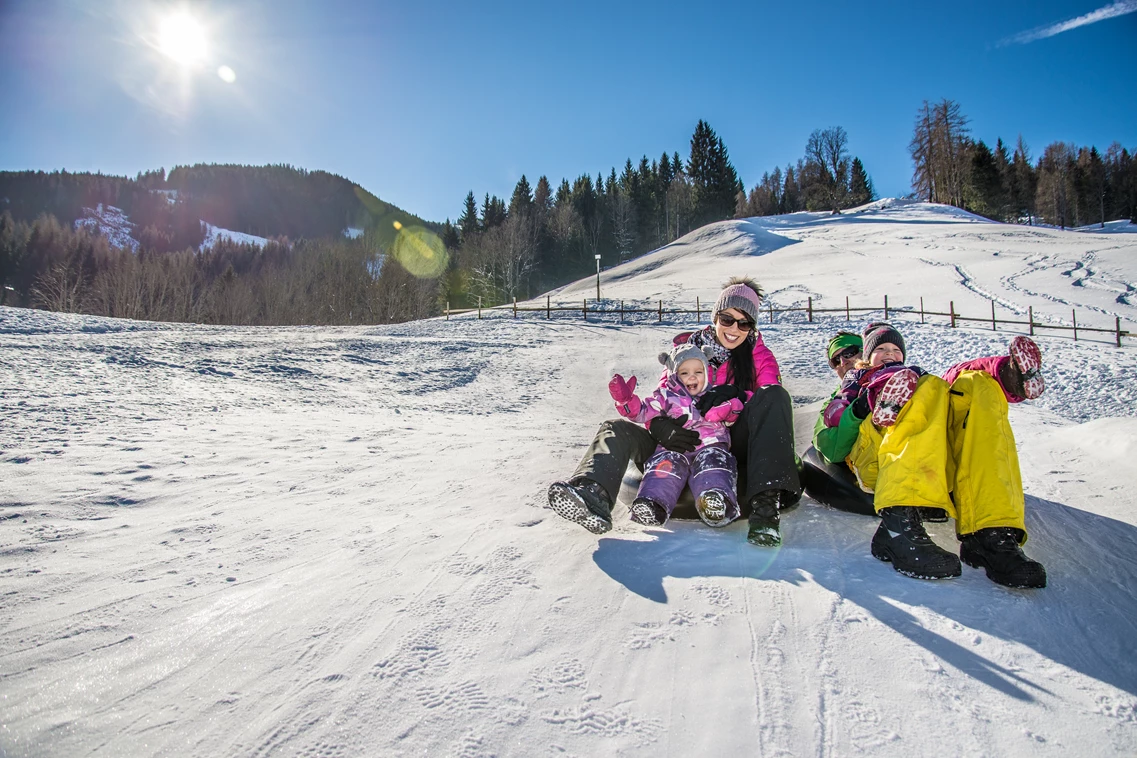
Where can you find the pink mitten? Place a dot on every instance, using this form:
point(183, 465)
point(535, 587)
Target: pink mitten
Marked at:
point(726, 413)
point(624, 393)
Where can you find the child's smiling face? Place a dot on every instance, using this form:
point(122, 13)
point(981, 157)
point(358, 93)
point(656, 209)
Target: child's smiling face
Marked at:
point(692, 373)
point(886, 352)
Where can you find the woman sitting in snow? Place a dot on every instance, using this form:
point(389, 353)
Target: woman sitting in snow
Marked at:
point(761, 440)
point(918, 441)
point(710, 468)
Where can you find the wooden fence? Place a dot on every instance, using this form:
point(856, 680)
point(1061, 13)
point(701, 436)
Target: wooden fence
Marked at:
point(608, 308)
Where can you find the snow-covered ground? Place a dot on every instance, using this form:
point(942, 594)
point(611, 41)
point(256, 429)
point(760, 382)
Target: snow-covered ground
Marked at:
point(213, 234)
point(335, 541)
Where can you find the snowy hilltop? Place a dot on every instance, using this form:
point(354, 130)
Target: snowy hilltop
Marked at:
point(336, 541)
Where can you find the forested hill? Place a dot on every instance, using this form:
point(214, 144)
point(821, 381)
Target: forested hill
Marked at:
point(267, 201)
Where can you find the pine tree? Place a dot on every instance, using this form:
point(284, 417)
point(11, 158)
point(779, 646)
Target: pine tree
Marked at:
point(1024, 184)
point(860, 185)
point(468, 224)
point(522, 200)
point(713, 178)
point(984, 190)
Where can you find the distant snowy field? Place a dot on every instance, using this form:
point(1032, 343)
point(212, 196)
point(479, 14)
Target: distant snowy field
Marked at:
point(334, 541)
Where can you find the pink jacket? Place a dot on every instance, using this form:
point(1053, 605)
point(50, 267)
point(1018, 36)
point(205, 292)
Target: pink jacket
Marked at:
point(989, 364)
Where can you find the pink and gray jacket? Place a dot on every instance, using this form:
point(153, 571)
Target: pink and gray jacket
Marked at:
point(673, 400)
point(871, 380)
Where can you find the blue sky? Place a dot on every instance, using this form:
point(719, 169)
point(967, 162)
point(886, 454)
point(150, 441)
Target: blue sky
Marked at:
point(421, 101)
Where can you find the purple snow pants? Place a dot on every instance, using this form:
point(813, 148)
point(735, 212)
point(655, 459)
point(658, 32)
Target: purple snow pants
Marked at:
point(708, 468)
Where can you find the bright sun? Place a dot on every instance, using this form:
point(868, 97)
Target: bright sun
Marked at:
point(182, 38)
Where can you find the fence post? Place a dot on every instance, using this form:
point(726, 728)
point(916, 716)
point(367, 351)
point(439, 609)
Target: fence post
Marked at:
point(811, 309)
point(479, 307)
point(548, 309)
point(993, 315)
point(698, 315)
point(847, 318)
point(661, 311)
point(448, 313)
point(621, 311)
point(1117, 328)
point(951, 307)
point(585, 310)
point(771, 313)
point(921, 310)
point(886, 307)
point(515, 306)
point(1030, 318)
point(1074, 313)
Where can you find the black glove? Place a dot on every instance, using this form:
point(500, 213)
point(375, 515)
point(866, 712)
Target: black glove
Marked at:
point(860, 406)
point(670, 433)
point(717, 395)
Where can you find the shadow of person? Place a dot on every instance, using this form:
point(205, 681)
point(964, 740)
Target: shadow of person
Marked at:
point(1086, 619)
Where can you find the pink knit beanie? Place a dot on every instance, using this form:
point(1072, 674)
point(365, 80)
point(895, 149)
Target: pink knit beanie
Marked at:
point(741, 297)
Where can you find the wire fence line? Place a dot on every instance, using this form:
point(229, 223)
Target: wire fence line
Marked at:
point(605, 308)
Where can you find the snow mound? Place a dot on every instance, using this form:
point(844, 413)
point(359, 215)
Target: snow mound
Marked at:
point(110, 222)
point(1121, 226)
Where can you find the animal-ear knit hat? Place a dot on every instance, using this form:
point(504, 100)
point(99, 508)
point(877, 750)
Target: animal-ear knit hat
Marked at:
point(674, 359)
point(740, 295)
point(877, 333)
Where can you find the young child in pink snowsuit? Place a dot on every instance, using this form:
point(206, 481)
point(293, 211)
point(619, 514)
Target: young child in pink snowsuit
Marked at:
point(710, 469)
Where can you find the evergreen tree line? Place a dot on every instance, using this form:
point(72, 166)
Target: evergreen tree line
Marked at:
point(329, 280)
point(544, 237)
point(1069, 186)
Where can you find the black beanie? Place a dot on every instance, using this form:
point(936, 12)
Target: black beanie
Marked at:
point(877, 333)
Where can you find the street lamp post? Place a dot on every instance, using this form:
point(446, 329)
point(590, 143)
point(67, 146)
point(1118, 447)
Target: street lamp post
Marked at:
point(597, 276)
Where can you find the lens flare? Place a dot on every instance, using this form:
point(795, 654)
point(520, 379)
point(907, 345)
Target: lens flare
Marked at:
point(398, 225)
point(421, 253)
point(227, 74)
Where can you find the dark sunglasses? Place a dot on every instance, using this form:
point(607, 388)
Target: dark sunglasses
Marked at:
point(727, 320)
point(849, 352)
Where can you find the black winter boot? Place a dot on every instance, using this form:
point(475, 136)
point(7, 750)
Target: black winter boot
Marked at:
point(901, 540)
point(764, 528)
point(583, 502)
point(997, 550)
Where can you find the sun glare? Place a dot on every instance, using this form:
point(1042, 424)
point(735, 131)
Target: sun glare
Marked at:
point(182, 38)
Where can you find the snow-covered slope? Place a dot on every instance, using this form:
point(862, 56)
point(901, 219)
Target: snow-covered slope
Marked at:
point(110, 222)
point(213, 234)
point(897, 248)
point(334, 541)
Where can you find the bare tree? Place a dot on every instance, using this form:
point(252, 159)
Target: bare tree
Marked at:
point(1055, 184)
point(940, 153)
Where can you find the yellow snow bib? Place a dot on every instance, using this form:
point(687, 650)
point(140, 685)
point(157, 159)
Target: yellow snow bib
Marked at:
point(953, 439)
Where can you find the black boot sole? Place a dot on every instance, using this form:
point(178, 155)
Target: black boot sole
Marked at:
point(1033, 580)
point(567, 504)
point(886, 554)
